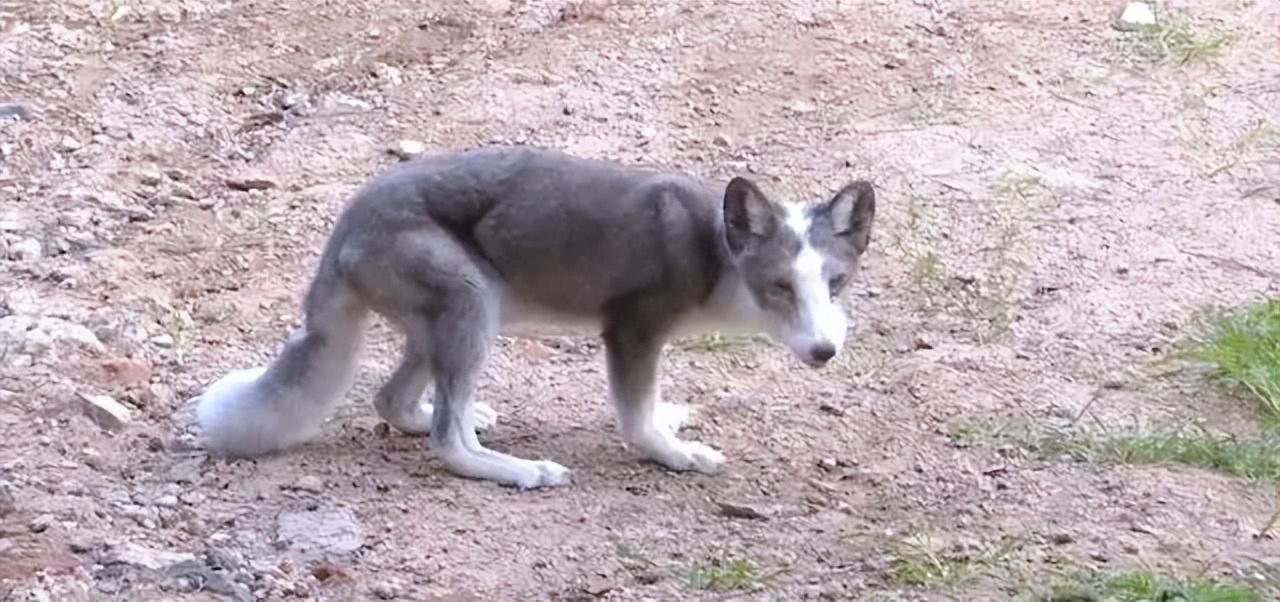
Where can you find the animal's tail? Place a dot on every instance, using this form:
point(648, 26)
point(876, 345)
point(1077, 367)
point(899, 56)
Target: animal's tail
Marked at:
point(261, 410)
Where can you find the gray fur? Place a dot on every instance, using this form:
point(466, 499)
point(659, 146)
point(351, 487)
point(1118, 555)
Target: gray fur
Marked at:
point(459, 248)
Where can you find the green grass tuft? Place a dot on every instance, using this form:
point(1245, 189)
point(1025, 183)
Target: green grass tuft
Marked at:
point(1257, 459)
point(1183, 42)
point(1244, 349)
point(734, 575)
point(1146, 586)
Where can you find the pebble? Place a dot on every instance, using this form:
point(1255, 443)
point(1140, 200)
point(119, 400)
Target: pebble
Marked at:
point(407, 150)
point(70, 144)
point(41, 523)
point(105, 411)
point(1136, 15)
point(14, 110)
point(250, 183)
point(320, 533)
point(7, 502)
point(308, 483)
point(27, 249)
point(167, 501)
point(143, 556)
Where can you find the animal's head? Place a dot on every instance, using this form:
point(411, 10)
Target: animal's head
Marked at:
point(796, 260)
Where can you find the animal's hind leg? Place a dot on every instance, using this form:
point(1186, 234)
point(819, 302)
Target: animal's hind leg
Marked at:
point(464, 330)
point(400, 402)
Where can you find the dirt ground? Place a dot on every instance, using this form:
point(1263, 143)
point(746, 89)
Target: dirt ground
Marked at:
point(1055, 207)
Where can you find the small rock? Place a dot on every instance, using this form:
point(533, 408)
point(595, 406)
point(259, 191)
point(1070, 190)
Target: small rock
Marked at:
point(41, 523)
point(308, 482)
point(139, 555)
point(386, 591)
point(320, 533)
point(250, 183)
point(70, 144)
point(162, 340)
point(7, 502)
point(126, 372)
point(828, 464)
point(192, 498)
point(1061, 538)
point(167, 501)
point(407, 150)
point(802, 107)
point(732, 510)
point(13, 110)
point(105, 411)
point(722, 140)
point(1136, 15)
point(27, 249)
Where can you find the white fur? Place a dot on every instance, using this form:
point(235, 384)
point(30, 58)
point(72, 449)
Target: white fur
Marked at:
point(241, 419)
point(463, 455)
point(818, 320)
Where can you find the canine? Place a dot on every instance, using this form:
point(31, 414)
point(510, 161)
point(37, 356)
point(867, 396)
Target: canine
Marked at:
point(457, 249)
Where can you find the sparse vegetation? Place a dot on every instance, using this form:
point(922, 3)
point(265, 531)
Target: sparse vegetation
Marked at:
point(1257, 459)
point(922, 560)
point(731, 575)
point(1147, 586)
point(1243, 347)
point(719, 342)
point(1182, 41)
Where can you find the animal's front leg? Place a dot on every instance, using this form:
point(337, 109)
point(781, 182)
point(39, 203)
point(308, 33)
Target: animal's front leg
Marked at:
point(649, 426)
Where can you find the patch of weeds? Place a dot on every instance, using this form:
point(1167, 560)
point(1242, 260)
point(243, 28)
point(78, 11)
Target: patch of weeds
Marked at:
point(1243, 347)
point(719, 343)
point(922, 560)
point(1256, 459)
point(1146, 586)
point(1181, 41)
point(178, 327)
point(1263, 136)
point(727, 576)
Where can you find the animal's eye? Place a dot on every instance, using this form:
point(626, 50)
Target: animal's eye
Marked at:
point(782, 287)
point(837, 283)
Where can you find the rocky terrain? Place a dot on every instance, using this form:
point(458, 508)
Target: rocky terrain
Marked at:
point(1059, 200)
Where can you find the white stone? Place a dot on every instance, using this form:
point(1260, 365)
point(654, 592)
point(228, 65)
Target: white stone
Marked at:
point(26, 249)
point(1137, 14)
point(105, 411)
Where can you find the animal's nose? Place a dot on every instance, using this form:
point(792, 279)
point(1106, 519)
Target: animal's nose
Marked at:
point(822, 352)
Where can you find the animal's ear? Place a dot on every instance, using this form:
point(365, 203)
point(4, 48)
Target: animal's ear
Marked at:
point(748, 214)
point(851, 212)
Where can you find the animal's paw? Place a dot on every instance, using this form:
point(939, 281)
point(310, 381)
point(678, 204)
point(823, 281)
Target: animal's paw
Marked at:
point(545, 473)
point(691, 455)
point(670, 417)
point(679, 455)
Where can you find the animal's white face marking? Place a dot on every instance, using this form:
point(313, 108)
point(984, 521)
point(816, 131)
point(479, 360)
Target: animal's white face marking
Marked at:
point(818, 322)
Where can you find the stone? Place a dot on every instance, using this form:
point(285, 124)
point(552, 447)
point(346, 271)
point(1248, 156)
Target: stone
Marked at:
point(1136, 15)
point(308, 482)
point(246, 184)
point(134, 554)
point(27, 249)
point(105, 411)
point(70, 144)
point(8, 503)
point(407, 150)
point(125, 372)
point(11, 110)
point(316, 534)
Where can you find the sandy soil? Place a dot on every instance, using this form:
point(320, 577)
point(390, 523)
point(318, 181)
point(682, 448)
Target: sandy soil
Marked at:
point(1055, 208)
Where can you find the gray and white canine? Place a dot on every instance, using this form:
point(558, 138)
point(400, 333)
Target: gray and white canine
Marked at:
point(457, 249)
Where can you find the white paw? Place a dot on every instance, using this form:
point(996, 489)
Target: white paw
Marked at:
point(670, 417)
point(545, 473)
point(485, 416)
point(698, 456)
point(680, 455)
